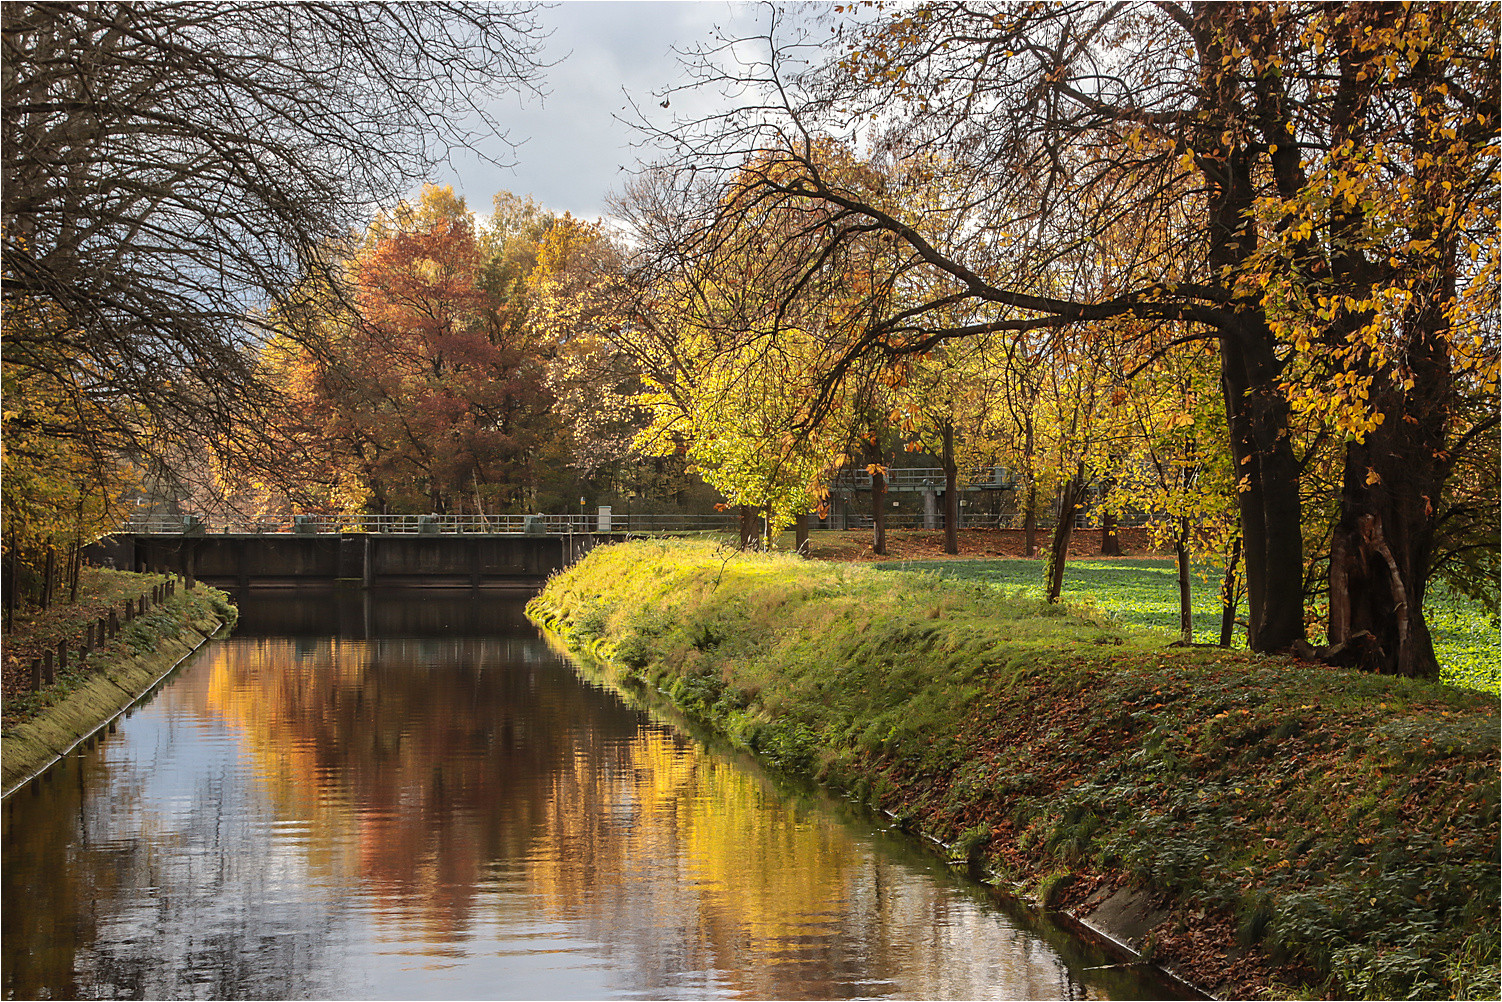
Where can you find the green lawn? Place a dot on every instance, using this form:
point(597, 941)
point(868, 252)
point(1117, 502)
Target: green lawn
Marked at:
point(1145, 593)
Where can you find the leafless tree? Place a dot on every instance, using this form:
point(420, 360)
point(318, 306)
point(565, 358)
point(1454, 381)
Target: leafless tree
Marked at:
point(171, 170)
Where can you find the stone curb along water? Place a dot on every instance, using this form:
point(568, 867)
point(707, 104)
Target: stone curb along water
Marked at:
point(30, 748)
point(1118, 921)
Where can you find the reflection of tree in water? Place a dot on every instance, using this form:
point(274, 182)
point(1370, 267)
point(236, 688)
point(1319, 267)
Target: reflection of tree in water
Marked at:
point(699, 877)
point(447, 786)
point(93, 906)
point(425, 775)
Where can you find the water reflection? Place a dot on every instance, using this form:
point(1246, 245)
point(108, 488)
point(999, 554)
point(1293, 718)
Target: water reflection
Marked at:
point(463, 817)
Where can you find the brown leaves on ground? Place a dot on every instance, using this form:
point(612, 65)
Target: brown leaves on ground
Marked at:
point(38, 630)
point(928, 544)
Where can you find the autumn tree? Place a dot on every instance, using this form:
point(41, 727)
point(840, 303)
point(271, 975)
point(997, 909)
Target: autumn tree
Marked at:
point(172, 170)
point(1353, 144)
point(427, 385)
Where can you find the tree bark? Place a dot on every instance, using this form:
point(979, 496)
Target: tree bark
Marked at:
point(951, 491)
point(1030, 520)
point(1030, 505)
point(747, 525)
point(1256, 409)
point(1228, 595)
point(876, 461)
point(1110, 545)
point(1186, 605)
point(49, 572)
point(1074, 492)
point(1380, 555)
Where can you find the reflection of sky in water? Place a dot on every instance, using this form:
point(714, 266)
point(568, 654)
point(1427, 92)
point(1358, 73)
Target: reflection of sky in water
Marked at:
point(462, 818)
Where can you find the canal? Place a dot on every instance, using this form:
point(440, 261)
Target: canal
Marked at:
point(410, 796)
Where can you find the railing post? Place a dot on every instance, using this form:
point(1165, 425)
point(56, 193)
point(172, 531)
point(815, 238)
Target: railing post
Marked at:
point(47, 666)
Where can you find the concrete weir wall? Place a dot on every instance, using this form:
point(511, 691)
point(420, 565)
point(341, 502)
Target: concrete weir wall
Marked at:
point(240, 560)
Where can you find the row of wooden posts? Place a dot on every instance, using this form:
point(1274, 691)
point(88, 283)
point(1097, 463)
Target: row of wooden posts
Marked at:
point(54, 661)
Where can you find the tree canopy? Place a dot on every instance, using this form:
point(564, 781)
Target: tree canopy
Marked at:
point(1311, 188)
point(172, 170)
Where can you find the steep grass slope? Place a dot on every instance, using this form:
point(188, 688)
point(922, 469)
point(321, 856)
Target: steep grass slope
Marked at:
point(1286, 821)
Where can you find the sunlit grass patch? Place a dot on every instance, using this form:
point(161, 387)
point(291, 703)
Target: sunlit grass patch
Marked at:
point(1145, 593)
point(1340, 821)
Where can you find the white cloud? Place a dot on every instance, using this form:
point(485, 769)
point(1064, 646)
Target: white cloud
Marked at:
point(574, 146)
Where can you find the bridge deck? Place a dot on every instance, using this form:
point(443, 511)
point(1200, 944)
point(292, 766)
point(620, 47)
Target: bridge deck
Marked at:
point(240, 560)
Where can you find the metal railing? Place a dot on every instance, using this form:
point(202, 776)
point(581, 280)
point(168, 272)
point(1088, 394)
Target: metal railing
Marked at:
point(851, 517)
point(424, 524)
point(927, 478)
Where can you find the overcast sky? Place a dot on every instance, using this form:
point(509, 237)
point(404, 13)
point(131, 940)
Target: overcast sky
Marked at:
point(573, 150)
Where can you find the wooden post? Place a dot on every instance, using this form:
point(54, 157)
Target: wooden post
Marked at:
point(62, 655)
point(47, 666)
point(36, 674)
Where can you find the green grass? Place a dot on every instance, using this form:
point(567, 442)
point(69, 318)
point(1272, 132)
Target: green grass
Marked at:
point(1145, 593)
point(1344, 823)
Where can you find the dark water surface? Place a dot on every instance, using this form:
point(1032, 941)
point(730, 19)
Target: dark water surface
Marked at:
point(409, 796)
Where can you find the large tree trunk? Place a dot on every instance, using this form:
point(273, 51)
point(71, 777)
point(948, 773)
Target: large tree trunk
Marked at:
point(1256, 408)
point(1383, 545)
point(1069, 502)
point(1382, 549)
point(951, 491)
point(1110, 545)
point(1268, 498)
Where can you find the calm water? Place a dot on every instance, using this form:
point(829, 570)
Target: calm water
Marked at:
point(413, 797)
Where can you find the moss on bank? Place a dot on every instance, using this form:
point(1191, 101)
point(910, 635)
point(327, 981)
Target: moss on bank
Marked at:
point(43, 725)
point(1291, 821)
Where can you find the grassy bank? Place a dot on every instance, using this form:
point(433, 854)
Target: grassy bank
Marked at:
point(38, 726)
point(1144, 592)
point(1294, 823)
